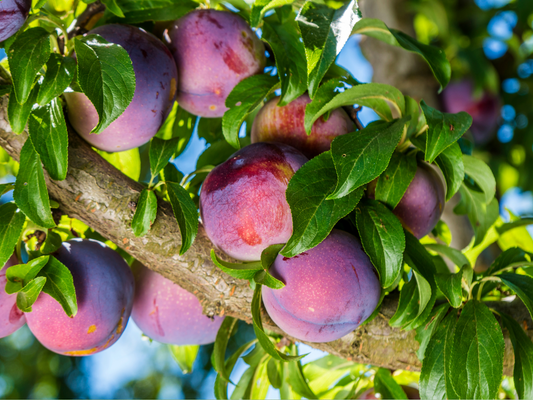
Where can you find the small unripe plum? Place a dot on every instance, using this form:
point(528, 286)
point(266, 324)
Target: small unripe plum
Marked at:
point(286, 125)
point(11, 318)
point(243, 204)
point(13, 14)
point(329, 290)
point(214, 51)
point(168, 313)
point(422, 204)
point(156, 85)
point(411, 393)
point(104, 291)
point(485, 110)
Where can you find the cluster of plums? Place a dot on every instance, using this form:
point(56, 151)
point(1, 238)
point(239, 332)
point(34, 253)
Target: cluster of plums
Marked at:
point(108, 292)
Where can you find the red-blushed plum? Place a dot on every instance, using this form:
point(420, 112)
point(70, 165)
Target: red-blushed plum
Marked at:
point(214, 51)
point(11, 318)
point(104, 289)
point(13, 14)
point(286, 125)
point(422, 205)
point(168, 313)
point(411, 392)
point(156, 86)
point(243, 204)
point(485, 109)
point(329, 290)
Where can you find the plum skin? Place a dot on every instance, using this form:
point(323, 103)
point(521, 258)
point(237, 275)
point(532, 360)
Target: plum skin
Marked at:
point(11, 318)
point(243, 204)
point(104, 289)
point(214, 51)
point(13, 14)
point(286, 125)
point(167, 313)
point(485, 111)
point(330, 290)
point(156, 79)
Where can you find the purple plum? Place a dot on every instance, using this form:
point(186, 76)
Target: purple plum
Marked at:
point(104, 290)
point(243, 204)
point(156, 85)
point(169, 314)
point(11, 318)
point(485, 110)
point(13, 14)
point(286, 125)
point(214, 51)
point(329, 290)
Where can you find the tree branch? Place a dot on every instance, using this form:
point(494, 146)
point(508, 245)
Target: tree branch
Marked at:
point(98, 194)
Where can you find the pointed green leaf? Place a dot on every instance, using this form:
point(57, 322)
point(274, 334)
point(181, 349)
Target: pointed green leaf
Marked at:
point(28, 295)
point(138, 11)
point(221, 386)
point(393, 183)
point(160, 153)
point(221, 343)
point(260, 7)
point(522, 285)
point(237, 270)
point(274, 372)
point(11, 225)
point(386, 386)
point(185, 356)
point(425, 332)
point(508, 257)
point(113, 7)
point(60, 72)
point(20, 275)
point(268, 256)
point(31, 194)
point(450, 286)
point(52, 243)
point(454, 255)
point(18, 114)
point(145, 213)
point(106, 76)
point(60, 285)
point(482, 175)
point(450, 162)
point(186, 214)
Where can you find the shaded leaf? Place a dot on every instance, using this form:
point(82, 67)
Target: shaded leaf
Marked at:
point(186, 214)
point(393, 183)
point(522, 285)
point(386, 386)
point(60, 285)
point(28, 295)
point(11, 225)
point(425, 332)
point(221, 343)
point(60, 72)
point(145, 213)
point(160, 153)
point(18, 114)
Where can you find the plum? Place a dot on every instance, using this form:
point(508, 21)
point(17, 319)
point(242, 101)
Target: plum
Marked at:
point(13, 14)
point(214, 51)
point(169, 314)
point(11, 318)
point(104, 290)
point(329, 290)
point(156, 85)
point(485, 110)
point(422, 204)
point(286, 125)
point(243, 204)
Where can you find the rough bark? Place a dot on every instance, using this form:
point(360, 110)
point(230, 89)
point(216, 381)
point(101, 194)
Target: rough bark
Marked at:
point(102, 197)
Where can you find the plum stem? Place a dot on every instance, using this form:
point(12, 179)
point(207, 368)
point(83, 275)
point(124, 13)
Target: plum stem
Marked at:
point(353, 113)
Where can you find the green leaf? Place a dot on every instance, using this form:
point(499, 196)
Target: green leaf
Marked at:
point(11, 225)
point(29, 52)
point(52, 243)
point(185, 212)
point(425, 332)
point(434, 56)
point(185, 356)
point(160, 153)
point(221, 343)
point(128, 162)
point(268, 256)
point(362, 156)
point(274, 372)
point(20, 275)
point(386, 386)
point(243, 100)
point(382, 238)
point(376, 96)
point(523, 357)
point(145, 213)
point(419, 258)
point(450, 286)
point(262, 337)
point(522, 285)
point(435, 375)
point(221, 386)
point(476, 363)
point(245, 270)
point(113, 7)
point(508, 257)
point(172, 174)
point(313, 215)
point(260, 7)
point(31, 194)
point(5, 89)
point(137, 11)
point(456, 256)
point(60, 285)
point(289, 54)
point(28, 295)
point(264, 278)
point(482, 175)
point(298, 382)
point(324, 33)
point(481, 215)
point(393, 183)
point(513, 225)
point(18, 114)
point(48, 132)
point(106, 76)
point(60, 72)
point(450, 162)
